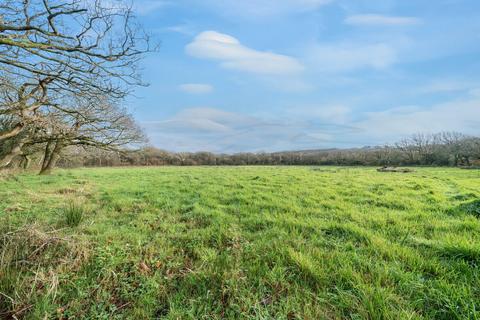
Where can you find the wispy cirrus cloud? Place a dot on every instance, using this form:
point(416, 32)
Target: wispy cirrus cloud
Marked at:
point(210, 129)
point(185, 29)
point(310, 127)
point(252, 9)
point(141, 7)
point(233, 55)
point(380, 20)
point(196, 88)
point(347, 56)
point(448, 86)
point(144, 7)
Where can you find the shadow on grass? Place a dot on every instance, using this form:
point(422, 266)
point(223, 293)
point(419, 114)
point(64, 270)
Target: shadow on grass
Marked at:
point(467, 254)
point(470, 208)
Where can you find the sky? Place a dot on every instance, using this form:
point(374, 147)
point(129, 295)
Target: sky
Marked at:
point(273, 75)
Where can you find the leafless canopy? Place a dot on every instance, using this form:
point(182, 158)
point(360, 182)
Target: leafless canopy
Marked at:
point(73, 45)
point(52, 49)
point(101, 124)
point(58, 47)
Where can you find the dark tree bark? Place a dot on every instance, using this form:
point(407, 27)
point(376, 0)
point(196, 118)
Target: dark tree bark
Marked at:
point(46, 154)
point(51, 157)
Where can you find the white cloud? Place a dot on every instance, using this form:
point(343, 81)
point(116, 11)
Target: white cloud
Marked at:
point(311, 127)
point(380, 20)
point(389, 125)
point(448, 85)
point(196, 88)
point(350, 56)
point(263, 8)
point(204, 121)
point(233, 55)
point(209, 129)
point(185, 29)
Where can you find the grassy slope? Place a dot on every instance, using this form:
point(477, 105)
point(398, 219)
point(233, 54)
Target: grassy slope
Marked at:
point(260, 243)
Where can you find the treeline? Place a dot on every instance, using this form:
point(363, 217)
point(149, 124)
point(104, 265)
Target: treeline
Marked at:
point(442, 149)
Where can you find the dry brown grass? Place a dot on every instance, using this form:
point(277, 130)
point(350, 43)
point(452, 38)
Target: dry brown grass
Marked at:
point(30, 261)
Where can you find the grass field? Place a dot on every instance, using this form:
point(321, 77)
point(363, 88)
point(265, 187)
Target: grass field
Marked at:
point(241, 243)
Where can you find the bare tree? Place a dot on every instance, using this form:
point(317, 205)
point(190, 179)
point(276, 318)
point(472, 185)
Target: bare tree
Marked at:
point(54, 48)
point(453, 141)
point(407, 149)
point(98, 124)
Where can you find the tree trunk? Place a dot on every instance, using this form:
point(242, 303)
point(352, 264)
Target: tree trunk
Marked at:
point(467, 160)
point(26, 162)
point(456, 160)
point(47, 154)
point(14, 152)
point(50, 160)
point(16, 130)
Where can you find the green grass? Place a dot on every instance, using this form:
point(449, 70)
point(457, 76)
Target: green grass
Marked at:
point(241, 243)
point(74, 214)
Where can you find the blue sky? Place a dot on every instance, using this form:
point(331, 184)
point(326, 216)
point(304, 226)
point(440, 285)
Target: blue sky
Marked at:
point(268, 75)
